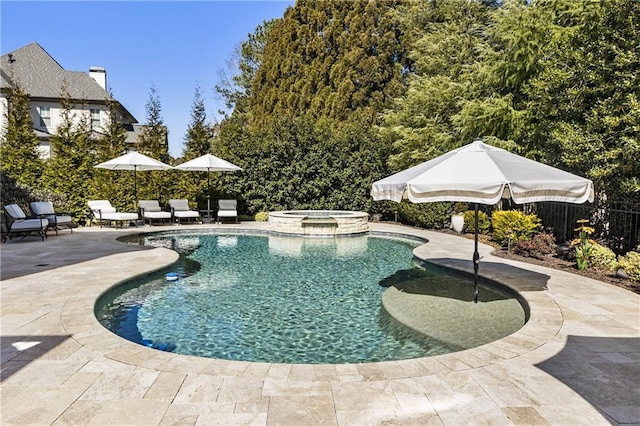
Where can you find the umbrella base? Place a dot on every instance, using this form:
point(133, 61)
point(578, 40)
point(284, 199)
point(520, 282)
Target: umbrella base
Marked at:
point(207, 217)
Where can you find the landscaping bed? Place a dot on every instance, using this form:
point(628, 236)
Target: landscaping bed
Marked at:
point(555, 262)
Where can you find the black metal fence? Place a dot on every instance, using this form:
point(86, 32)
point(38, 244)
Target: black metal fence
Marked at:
point(616, 223)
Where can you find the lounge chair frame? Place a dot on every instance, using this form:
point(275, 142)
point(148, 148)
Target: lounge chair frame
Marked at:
point(180, 210)
point(150, 210)
point(57, 220)
point(227, 209)
point(21, 225)
point(104, 212)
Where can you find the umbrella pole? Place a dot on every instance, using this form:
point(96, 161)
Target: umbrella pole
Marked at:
point(135, 187)
point(208, 195)
point(476, 258)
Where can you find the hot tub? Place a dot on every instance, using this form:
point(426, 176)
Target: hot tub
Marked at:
point(319, 222)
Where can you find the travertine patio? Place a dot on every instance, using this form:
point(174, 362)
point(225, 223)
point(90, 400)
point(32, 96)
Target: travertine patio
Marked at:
point(577, 360)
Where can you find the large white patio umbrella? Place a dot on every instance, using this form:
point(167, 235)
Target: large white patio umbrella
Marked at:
point(208, 163)
point(133, 161)
point(481, 173)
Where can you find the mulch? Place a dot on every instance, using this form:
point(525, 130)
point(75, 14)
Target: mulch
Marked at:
point(558, 263)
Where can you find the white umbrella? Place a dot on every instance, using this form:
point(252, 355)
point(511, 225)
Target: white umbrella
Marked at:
point(481, 173)
point(133, 161)
point(208, 163)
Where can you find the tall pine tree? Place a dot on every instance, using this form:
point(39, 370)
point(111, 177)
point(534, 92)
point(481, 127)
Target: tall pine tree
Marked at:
point(20, 158)
point(152, 141)
point(110, 185)
point(70, 170)
point(331, 59)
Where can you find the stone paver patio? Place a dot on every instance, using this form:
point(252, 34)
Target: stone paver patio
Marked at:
point(576, 361)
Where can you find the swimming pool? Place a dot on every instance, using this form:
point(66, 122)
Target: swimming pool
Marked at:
point(274, 298)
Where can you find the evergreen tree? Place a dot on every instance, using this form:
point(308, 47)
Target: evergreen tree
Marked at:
point(70, 170)
point(19, 153)
point(108, 184)
point(331, 59)
point(447, 37)
point(199, 132)
point(153, 139)
point(585, 103)
point(192, 185)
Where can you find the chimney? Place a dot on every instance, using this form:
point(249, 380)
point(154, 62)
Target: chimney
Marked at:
point(99, 74)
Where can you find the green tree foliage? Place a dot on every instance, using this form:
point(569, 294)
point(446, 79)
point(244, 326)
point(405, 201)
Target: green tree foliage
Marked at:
point(447, 38)
point(330, 59)
point(108, 184)
point(301, 163)
point(152, 141)
point(554, 80)
point(584, 104)
point(70, 170)
point(19, 154)
point(199, 132)
point(192, 185)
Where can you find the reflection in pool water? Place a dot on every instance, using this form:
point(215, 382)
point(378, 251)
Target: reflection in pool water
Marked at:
point(287, 299)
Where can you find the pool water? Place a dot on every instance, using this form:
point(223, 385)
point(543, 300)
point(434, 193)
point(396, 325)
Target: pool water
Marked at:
point(277, 299)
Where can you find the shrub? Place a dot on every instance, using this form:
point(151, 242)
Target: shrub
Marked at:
point(602, 258)
point(511, 225)
point(631, 265)
point(262, 216)
point(425, 215)
point(460, 208)
point(539, 246)
point(484, 224)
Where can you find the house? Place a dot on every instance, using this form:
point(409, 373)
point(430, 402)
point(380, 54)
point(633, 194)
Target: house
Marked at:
point(43, 78)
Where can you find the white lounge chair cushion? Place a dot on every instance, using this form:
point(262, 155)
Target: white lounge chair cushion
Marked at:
point(186, 214)
point(45, 209)
point(23, 225)
point(14, 211)
point(104, 209)
point(181, 209)
point(103, 205)
point(119, 216)
point(42, 208)
point(179, 205)
point(156, 215)
point(227, 208)
point(151, 210)
point(227, 213)
point(149, 205)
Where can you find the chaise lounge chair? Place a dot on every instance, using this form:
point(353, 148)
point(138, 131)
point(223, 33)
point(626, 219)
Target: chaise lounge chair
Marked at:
point(18, 224)
point(227, 208)
point(150, 210)
point(103, 211)
point(57, 221)
point(180, 210)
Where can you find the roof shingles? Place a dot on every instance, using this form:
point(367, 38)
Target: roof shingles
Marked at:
point(42, 77)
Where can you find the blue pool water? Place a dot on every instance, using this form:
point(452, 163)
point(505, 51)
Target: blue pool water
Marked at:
point(275, 299)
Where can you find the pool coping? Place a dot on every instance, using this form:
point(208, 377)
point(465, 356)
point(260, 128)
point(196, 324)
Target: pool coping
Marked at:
point(527, 377)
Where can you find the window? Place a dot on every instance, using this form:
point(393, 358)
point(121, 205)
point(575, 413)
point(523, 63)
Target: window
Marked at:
point(95, 118)
point(45, 116)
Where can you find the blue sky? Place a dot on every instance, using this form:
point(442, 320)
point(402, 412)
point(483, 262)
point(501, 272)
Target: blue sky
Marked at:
point(173, 45)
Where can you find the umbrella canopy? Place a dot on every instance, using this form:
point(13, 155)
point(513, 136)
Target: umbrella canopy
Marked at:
point(208, 163)
point(133, 161)
point(481, 173)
